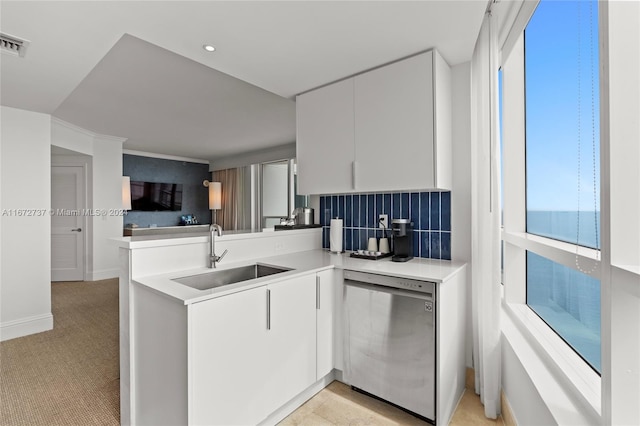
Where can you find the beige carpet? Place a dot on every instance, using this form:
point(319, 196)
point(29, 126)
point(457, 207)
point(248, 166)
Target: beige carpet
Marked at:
point(69, 375)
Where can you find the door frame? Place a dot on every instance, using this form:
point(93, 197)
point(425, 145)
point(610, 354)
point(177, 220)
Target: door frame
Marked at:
point(84, 161)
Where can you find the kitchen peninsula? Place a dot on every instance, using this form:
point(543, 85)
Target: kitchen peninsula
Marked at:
point(251, 352)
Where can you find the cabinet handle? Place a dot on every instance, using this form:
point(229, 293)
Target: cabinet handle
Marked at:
point(317, 292)
point(268, 309)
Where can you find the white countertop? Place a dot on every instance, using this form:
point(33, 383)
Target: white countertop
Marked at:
point(301, 263)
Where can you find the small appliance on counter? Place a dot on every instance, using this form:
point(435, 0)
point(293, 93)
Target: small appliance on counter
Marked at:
point(303, 215)
point(301, 218)
point(402, 240)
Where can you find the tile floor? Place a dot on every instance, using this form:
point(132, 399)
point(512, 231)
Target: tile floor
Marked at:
point(337, 404)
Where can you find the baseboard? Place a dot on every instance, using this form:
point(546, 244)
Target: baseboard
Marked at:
point(507, 414)
point(105, 274)
point(25, 326)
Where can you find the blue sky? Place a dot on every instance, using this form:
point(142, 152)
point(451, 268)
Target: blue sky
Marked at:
point(551, 51)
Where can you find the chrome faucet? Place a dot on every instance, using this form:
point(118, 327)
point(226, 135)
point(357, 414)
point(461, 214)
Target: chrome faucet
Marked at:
point(213, 259)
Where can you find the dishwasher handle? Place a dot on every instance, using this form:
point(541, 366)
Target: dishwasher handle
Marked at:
point(401, 283)
point(390, 290)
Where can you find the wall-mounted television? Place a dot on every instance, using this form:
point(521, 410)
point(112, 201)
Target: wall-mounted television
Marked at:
point(155, 196)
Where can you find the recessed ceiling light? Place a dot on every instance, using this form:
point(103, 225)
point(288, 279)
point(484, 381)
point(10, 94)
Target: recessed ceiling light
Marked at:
point(208, 48)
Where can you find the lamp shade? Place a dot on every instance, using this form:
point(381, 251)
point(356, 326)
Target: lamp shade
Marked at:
point(215, 195)
point(126, 193)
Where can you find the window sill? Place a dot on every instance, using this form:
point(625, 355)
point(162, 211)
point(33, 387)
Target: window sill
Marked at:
point(558, 251)
point(568, 386)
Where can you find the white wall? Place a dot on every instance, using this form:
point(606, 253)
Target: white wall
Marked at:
point(68, 136)
point(621, 187)
point(282, 152)
point(105, 185)
point(525, 402)
point(107, 196)
point(461, 191)
point(25, 255)
point(624, 149)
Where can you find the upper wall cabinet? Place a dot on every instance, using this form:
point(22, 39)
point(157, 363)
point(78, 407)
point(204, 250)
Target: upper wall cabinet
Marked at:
point(325, 132)
point(383, 130)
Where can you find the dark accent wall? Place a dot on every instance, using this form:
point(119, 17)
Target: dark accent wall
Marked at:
point(430, 213)
point(190, 175)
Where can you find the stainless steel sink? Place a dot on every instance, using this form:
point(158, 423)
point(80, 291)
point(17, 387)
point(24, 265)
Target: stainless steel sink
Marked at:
point(224, 277)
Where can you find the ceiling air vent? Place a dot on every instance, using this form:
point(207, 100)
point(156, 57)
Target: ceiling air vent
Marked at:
point(13, 45)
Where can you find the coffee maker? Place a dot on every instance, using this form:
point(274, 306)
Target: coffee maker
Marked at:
point(402, 240)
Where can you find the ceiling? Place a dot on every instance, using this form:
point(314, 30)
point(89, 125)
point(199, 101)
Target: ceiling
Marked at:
point(137, 69)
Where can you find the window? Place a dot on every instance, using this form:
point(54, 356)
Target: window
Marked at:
point(562, 122)
point(545, 293)
point(569, 302)
point(555, 236)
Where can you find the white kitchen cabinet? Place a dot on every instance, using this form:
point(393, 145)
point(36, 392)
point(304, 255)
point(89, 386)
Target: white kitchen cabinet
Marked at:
point(395, 126)
point(399, 136)
point(325, 322)
point(324, 151)
point(251, 352)
point(451, 322)
point(228, 367)
point(291, 340)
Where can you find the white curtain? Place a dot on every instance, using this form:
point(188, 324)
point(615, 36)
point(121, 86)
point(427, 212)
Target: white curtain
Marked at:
point(230, 216)
point(485, 225)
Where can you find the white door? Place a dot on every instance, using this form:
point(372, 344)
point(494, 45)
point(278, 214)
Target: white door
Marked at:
point(67, 221)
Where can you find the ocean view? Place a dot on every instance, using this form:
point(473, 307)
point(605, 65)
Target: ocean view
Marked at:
point(567, 300)
point(563, 225)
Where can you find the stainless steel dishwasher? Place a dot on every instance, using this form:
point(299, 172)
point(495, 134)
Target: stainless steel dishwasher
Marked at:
point(389, 339)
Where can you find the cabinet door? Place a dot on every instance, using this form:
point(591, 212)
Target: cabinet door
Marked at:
point(325, 323)
point(291, 340)
point(394, 126)
point(227, 363)
point(325, 141)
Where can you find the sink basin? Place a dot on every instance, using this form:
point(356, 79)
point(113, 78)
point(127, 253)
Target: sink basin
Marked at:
point(224, 277)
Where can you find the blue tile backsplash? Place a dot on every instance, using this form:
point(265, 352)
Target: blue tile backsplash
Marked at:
point(430, 213)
